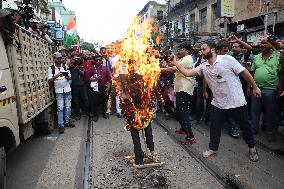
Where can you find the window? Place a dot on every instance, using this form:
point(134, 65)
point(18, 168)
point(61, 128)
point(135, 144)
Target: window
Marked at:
point(183, 24)
point(192, 22)
point(214, 11)
point(203, 16)
point(160, 15)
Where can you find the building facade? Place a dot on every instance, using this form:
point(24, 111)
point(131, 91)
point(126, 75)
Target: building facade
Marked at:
point(198, 20)
point(58, 7)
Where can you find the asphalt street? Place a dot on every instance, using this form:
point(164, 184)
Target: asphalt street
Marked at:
point(59, 161)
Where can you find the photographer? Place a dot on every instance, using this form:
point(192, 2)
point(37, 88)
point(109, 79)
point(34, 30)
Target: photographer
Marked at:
point(58, 76)
point(42, 31)
point(79, 90)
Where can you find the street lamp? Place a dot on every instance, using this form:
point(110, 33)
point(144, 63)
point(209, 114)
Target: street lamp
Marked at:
point(275, 9)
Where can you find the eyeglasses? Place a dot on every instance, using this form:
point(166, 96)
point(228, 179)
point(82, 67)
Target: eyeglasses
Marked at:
point(236, 46)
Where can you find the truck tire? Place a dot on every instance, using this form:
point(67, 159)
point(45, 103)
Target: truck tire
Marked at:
point(2, 168)
point(44, 122)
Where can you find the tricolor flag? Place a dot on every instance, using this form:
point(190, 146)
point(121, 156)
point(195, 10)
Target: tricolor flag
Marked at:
point(71, 33)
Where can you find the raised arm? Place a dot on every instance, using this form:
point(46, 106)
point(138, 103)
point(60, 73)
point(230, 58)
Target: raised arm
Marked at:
point(181, 69)
point(172, 69)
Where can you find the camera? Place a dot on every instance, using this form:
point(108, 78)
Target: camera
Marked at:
point(64, 74)
point(78, 61)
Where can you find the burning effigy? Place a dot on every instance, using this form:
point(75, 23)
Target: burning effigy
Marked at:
point(135, 79)
point(137, 72)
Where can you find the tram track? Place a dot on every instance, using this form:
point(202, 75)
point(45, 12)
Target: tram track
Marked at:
point(259, 144)
point(88, 159)
point(224, 179)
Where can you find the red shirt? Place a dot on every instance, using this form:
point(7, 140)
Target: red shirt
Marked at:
point(88, 65)
point(101, 72)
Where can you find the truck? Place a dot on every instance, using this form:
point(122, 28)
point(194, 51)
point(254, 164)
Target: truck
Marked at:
point(25, 95)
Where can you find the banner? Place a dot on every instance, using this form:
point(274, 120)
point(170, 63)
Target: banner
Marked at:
point(226, 8)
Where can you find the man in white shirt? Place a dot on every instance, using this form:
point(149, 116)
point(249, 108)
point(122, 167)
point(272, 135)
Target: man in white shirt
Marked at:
point(58, 75)
point(222, 75)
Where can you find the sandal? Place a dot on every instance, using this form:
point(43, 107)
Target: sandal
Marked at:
point(253, 155)
point(208, 153)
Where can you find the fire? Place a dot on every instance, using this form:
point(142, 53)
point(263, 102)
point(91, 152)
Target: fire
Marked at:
point(137, 73)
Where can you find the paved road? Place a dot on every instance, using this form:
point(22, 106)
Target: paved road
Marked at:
point(111, 170)
point(53, 161)
point(57, 161)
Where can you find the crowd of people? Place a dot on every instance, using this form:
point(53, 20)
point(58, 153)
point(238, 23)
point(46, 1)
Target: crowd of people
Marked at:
point(227, 82)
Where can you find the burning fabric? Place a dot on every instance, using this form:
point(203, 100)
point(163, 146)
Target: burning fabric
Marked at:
point(136, 74)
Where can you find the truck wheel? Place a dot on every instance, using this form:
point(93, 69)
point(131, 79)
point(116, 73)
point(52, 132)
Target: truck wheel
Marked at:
point(2, 168)
point(44, 122)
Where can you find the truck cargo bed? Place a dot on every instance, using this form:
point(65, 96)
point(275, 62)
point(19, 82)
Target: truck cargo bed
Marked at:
point(30, 57)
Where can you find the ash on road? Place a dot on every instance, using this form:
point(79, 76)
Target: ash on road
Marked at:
point(110, 169)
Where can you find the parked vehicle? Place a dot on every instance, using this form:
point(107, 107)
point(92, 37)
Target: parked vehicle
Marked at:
point(25, 95)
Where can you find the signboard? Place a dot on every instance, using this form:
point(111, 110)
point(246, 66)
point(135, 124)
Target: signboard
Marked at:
point(226, 8)
point(58, 33)
point(50, 23)
point(255, 37)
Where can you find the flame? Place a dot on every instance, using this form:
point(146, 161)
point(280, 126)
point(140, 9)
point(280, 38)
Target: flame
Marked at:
point(159, 39)
point(139, 63)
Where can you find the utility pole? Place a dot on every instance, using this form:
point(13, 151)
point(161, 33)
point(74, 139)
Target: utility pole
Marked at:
point(267, 3)
point(225, 26)
point(168, 21)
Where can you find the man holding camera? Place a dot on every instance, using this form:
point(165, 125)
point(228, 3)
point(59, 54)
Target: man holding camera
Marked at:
point(58, 76)
point(79, 90)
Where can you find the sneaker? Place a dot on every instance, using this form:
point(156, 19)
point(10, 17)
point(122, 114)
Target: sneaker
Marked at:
point(271, 137)
point(77, 117)
point(84, 114)
point(69, 124)
point(106, 116)
point(61, 130)
point(234, 132)
point(180, 132)
point(168, 116)
point(191, 140)
point(119, 115)
point(96, 118)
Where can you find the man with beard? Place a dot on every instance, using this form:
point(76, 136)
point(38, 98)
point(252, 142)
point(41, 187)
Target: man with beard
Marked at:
point(266, 70)
point(222, 75)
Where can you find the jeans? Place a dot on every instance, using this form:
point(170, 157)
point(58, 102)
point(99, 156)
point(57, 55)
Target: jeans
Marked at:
point(79, 97)
point(268, 101)
point(63, 108)
point(183, 110)
point(219, 118)
point(139, 154)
